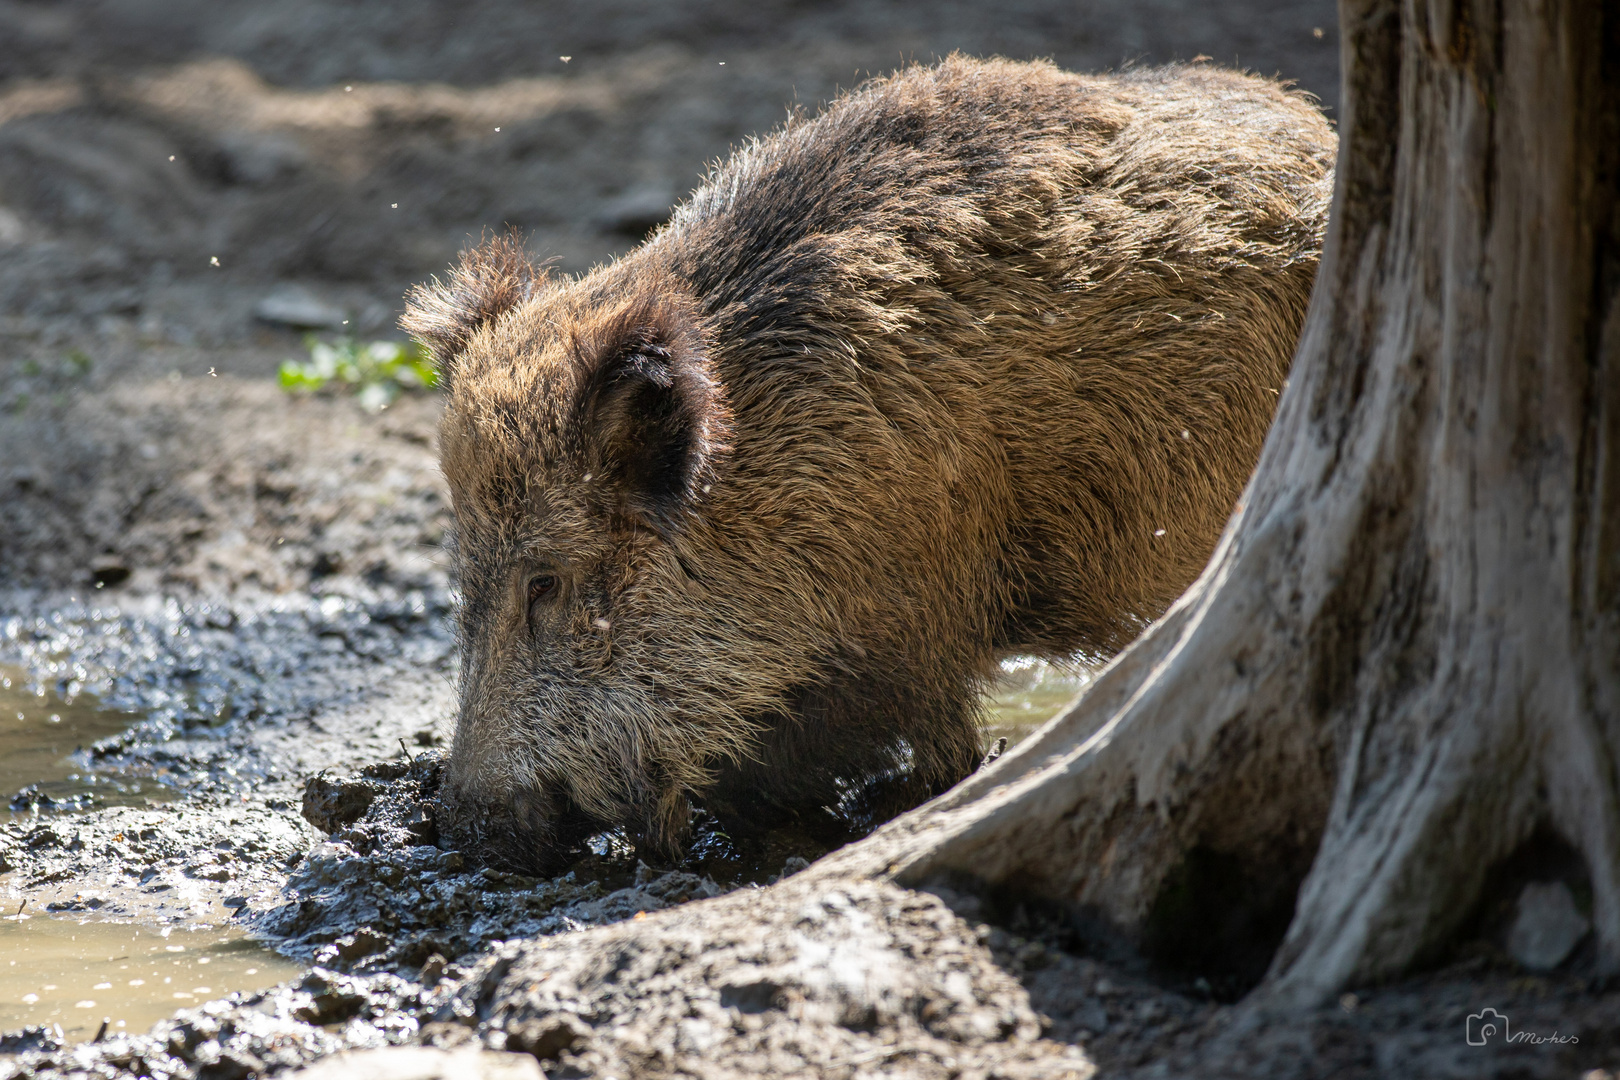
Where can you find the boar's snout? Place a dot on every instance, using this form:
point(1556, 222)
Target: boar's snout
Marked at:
point(517, 828)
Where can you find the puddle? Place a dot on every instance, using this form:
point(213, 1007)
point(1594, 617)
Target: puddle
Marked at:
point(40, 732)
point(1029, 693)
point(58, 971)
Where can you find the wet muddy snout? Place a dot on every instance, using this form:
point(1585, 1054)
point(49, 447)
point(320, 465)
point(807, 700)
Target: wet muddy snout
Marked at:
point(514, 826)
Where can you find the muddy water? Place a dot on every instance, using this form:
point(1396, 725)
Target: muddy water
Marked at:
point(75, 974)
point(40, 732)
point(63, 971)
point(1029, 693)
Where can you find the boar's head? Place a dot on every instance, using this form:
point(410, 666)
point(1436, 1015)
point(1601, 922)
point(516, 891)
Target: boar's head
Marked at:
point(583, 428)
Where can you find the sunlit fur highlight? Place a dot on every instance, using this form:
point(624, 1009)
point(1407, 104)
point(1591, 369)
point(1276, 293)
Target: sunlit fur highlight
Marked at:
point(911, 392)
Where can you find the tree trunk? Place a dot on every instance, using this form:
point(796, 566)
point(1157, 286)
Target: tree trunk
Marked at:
point(1403, 661)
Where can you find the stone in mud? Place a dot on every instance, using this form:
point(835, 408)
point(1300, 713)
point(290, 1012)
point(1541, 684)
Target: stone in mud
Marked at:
point(31, 799)
point(107, 571)
point(35, 1037)
point(332, 997)
point(362, 943)
point(228, 1065)
point(637, 211)
point(296, 306)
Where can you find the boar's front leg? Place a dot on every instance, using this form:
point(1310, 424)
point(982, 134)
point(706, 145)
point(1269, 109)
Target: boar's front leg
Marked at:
point(845, 761)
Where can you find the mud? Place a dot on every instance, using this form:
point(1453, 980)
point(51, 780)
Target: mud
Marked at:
point(231, 695)
point(839, 981)
point(380, 894)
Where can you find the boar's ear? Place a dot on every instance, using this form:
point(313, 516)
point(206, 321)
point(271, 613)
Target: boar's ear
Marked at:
point(491, 278)
point(652, 411)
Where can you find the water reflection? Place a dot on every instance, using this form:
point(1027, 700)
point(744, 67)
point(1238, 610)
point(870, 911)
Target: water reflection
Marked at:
point(1029, 693)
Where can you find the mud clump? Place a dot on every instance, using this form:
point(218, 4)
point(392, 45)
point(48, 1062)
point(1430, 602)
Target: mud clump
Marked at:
point(390, 804)
point(330, 805)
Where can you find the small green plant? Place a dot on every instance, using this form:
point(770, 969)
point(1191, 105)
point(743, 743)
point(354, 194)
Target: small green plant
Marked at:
point(377, 370)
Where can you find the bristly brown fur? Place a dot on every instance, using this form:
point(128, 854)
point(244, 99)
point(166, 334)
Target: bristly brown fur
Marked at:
point(490, 279)
point(975, 363)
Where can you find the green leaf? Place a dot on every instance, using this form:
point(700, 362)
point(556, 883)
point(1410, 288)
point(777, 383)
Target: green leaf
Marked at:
point(378, 370)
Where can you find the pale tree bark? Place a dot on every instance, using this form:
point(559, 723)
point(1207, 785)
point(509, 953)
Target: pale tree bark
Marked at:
point(1404, 658)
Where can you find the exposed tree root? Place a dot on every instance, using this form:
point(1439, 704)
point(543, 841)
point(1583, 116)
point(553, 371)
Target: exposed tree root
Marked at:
point(1404, 659)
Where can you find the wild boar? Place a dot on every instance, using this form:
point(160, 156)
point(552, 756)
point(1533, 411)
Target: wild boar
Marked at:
point(974, 363)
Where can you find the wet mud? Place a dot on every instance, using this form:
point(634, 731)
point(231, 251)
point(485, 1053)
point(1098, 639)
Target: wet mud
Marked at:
point(203, 720)
point(257, 776)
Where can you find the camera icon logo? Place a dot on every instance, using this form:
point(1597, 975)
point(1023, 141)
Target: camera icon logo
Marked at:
point(1486, 1025)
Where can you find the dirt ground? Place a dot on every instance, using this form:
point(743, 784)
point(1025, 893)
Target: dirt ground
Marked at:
point(186, 188)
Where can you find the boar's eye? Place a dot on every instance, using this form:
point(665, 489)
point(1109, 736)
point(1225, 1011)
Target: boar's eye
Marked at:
point(543, 589)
